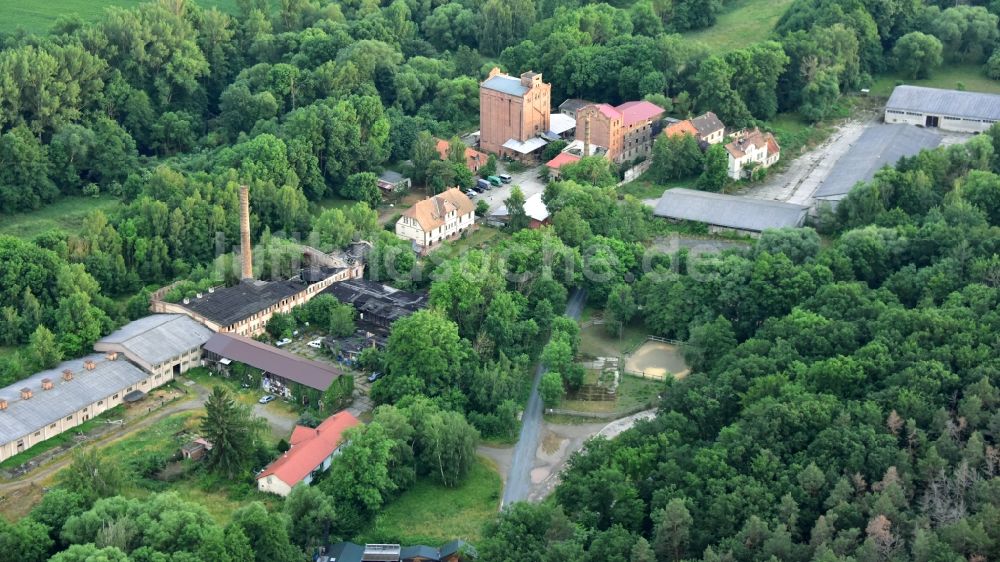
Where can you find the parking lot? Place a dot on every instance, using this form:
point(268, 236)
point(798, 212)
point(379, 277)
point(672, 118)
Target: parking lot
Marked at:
point(527, 180)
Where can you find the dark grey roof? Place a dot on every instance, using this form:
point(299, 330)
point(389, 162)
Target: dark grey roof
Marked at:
point(343, 552)
point(228, 305)
point(45, 407)
point(506, 84)
point(879, 146)
point(454, 546)
point(391, 177)
point(419, 551)
point(730, 211)
point(157, 338)
point(953, 103)
point(373, 297)
point(707, 123)
point(573, 104)
point(273, 360)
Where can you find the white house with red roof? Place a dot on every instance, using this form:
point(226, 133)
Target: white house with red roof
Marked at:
point(750, 149)
point(311, 452)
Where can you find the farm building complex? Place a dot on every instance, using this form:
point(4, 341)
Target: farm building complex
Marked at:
point(728, 212)
point(949, 110)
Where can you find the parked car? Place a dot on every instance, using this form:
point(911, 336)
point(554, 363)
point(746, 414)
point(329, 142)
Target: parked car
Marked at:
point(374, 376)
point(505, 178)
point(482, 185)
point(282, 342)
point(494, 180)
point(471, 193)
point(267, 398)
point(316, 343)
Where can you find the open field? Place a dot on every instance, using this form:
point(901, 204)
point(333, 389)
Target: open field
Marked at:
point(633, 393)
point(948, 76)
point(66, 214)
point(743, 22)
point(39, 15)
point(432, 514)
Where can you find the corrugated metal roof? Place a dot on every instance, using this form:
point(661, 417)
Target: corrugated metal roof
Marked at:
point(728, 211)
point(158, 337)
point(879, 146)
point(23, 417)
point(273, 360)
point(559, 123)
point(526, 147)
point(954, 103)
point(506, 84)
point(228, 305)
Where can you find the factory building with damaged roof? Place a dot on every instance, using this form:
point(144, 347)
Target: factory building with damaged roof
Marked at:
point(728, 212)
point(246, 307)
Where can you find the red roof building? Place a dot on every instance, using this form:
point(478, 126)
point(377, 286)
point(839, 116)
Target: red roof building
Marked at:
point(473, 158)
point(312, 450)
point(559, 161)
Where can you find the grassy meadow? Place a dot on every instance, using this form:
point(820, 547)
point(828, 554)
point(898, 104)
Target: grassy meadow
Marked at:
point(38, 15)
point(948, 76)
point(433, 514)
point(65, 214)
point(743, 22)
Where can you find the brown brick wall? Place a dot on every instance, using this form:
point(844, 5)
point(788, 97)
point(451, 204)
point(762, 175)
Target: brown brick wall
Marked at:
point(504, 116)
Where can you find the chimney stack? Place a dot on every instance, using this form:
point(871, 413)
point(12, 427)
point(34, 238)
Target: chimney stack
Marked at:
point(67, 375)
point(46, 384)
point(3, 403)
point(25, 393)
point(586, 135)
point(89, 365)
point(245, 249)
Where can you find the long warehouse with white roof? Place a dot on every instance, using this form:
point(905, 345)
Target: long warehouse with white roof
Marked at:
point(948, 110)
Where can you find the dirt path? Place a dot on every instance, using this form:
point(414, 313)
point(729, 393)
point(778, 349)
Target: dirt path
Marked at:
point(41, 474)
point(556, 445)
point(799, 181)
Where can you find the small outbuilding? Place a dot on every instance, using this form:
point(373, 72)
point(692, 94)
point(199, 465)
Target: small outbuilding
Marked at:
point(393, 182)
point(948, 110)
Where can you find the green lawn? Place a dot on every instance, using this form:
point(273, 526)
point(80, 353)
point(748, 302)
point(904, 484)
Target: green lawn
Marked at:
point(743, 22)
point(948, 76)
point(432, 514)
point(66, 214)
point(634, 393)
point(39, 15)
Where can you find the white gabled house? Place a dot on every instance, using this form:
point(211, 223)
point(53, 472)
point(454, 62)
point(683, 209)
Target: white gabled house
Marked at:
point(437, 218)
point(750, 149)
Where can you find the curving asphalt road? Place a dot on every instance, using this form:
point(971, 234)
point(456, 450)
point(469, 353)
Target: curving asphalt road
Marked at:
point(518, 482)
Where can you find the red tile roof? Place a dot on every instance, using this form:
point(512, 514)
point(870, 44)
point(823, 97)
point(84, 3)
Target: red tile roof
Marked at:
point(310, 447)
point(608, 111)
point(636, 111)
point(562, 159)
point(473, 158)
point(680, 128)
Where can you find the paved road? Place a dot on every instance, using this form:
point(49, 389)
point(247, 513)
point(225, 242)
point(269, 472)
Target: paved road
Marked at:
point(527, 180)
point(519, 478)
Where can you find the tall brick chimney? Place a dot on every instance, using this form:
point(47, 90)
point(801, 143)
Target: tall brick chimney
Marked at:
point(586, 135)
point(245, 249)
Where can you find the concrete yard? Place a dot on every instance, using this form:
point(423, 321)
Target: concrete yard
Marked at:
point(854, 152)
point(527, 180)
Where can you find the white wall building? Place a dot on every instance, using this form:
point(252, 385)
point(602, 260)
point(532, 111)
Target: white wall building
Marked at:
point(949, 110)
point(751, 148)
point(53, 401)
point(437, 218)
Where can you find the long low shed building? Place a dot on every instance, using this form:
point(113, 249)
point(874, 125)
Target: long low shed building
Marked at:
point(878, 146)
point(949, 110)
point(728, 212)
point(53, 401)
point(281, 368)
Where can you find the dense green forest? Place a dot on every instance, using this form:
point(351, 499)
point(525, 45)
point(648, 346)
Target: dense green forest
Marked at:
point(843, 401)
point(843, 397)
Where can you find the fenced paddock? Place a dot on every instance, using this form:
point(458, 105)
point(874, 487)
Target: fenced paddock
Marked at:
point(657, 358)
